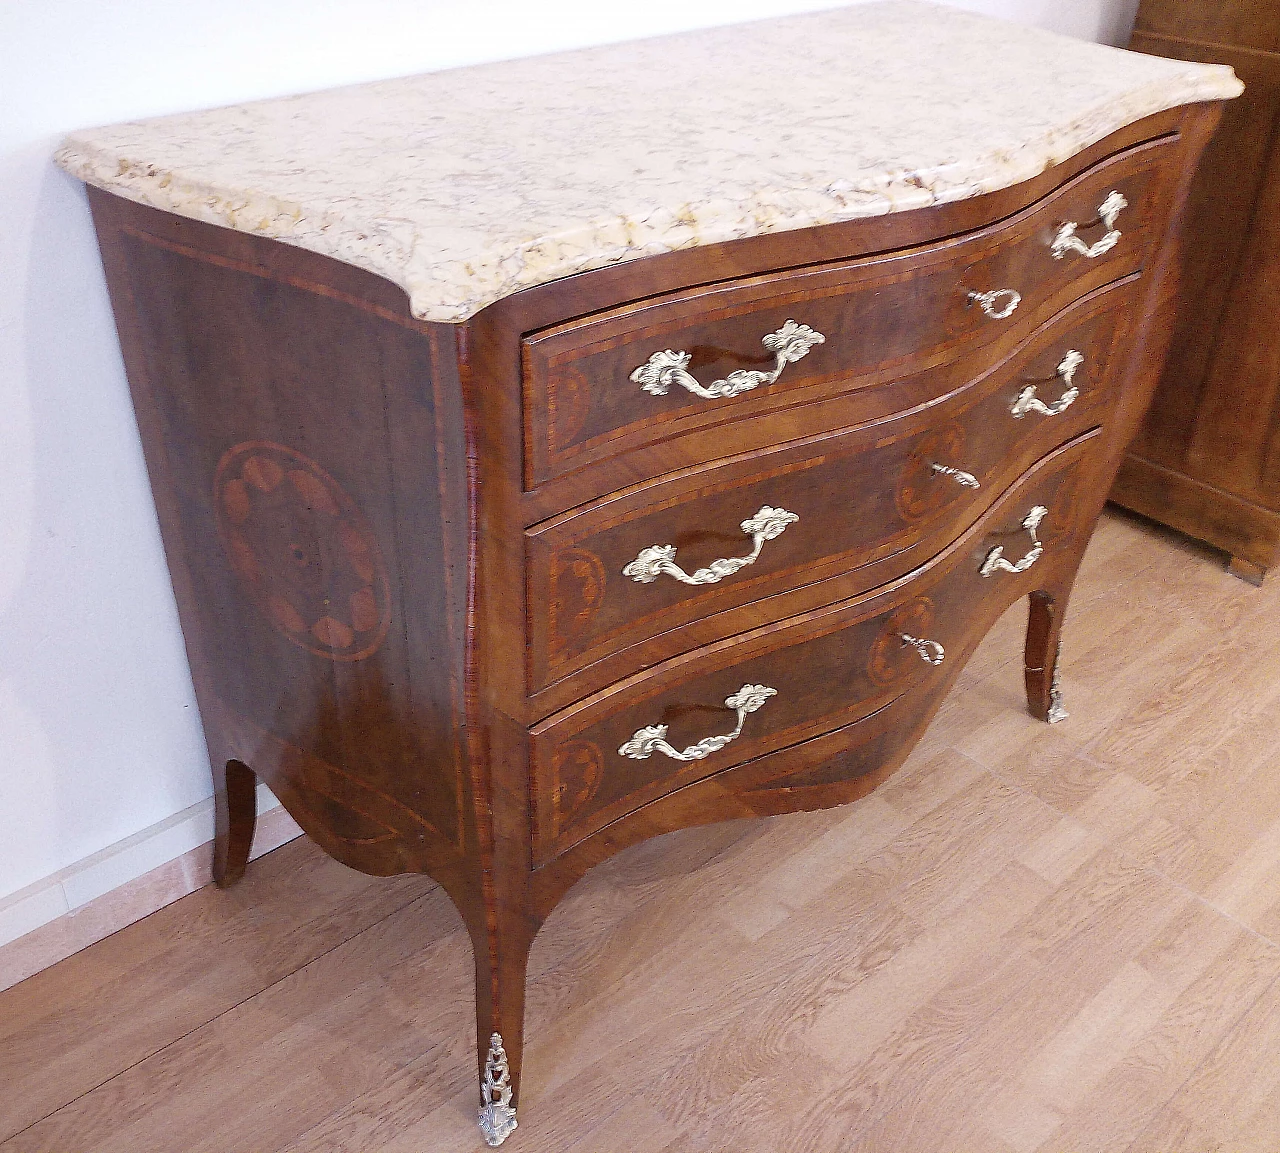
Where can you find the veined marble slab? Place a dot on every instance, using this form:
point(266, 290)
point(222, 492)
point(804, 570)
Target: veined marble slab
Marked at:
point(467, 185)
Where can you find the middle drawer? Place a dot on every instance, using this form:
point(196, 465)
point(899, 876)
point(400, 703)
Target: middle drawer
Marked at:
point(611, 585)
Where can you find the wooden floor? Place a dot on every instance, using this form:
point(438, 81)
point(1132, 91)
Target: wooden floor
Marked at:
point(1058, 939)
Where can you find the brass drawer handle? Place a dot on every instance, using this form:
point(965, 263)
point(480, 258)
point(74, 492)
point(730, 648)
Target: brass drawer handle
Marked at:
point(965, 479)
point(1027, 401)
point(987, 302)
point(653, 738)
point(1066, 239)
point(931, 652)
point(660, 558)
point(790, 343)
point(995, 561)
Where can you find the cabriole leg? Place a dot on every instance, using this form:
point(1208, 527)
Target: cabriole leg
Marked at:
point(1044, 630)
point(500, 978)
point(235, 812)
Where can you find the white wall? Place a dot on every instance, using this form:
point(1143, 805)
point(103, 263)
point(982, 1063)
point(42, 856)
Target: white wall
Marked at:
point(99, 736)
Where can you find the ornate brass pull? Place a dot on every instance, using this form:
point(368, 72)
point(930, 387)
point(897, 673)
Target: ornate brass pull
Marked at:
point(965, 479)
point(790, 343)
point(995, 561)
point(660, 558)
point(987, 302)
point(931, 652)
point(1027, 401)
point(1066, 239)
point(653, 738)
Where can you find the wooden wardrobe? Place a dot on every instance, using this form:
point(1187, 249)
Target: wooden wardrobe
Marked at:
point(1207, 459)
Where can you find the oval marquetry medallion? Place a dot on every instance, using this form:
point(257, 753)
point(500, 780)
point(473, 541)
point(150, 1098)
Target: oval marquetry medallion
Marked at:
point(921, 491)
point(890, 659)
point(569, 404)
point(1064, 509)
point(579, 769)
point(577, 592)
point(303, 551)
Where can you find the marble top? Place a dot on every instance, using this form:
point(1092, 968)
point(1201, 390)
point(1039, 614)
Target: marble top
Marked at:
point(467, 185)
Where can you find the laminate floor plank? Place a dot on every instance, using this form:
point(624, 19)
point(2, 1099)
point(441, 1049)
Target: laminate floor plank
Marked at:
point(81, 1022)
point(341, 1025)
point(1218, 972)
point(944, 1078)
point(1185, 776)
point(1232, 1101)
point(1031, 939)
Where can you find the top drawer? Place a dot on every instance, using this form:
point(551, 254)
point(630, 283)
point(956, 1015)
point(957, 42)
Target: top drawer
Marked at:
point(620, 380)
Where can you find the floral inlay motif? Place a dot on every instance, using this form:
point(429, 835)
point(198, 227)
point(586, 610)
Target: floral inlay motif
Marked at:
point(304, 553)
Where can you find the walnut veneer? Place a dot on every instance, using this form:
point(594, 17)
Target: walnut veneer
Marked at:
point(399, 546)
point(1207, 458)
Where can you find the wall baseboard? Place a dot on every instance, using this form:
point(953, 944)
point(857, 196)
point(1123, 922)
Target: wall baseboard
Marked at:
point(85, 902)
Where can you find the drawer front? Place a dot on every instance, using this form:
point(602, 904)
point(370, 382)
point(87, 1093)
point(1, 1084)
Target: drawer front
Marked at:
point(614, 382)
point(728, 703)
point(628, 568)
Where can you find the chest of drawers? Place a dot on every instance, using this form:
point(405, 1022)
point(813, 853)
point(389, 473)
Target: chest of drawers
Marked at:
point(498, 556)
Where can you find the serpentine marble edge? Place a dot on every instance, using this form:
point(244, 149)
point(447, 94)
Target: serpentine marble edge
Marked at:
point(467, 185)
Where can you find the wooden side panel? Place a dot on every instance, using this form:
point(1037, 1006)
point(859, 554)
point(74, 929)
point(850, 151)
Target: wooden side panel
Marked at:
point(310, 508)
point(1250, 23)
point(1235, 438)
point(1219, 215)
point(1207, 459)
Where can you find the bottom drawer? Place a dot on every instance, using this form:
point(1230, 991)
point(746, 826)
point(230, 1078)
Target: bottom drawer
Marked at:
point(725, 704)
